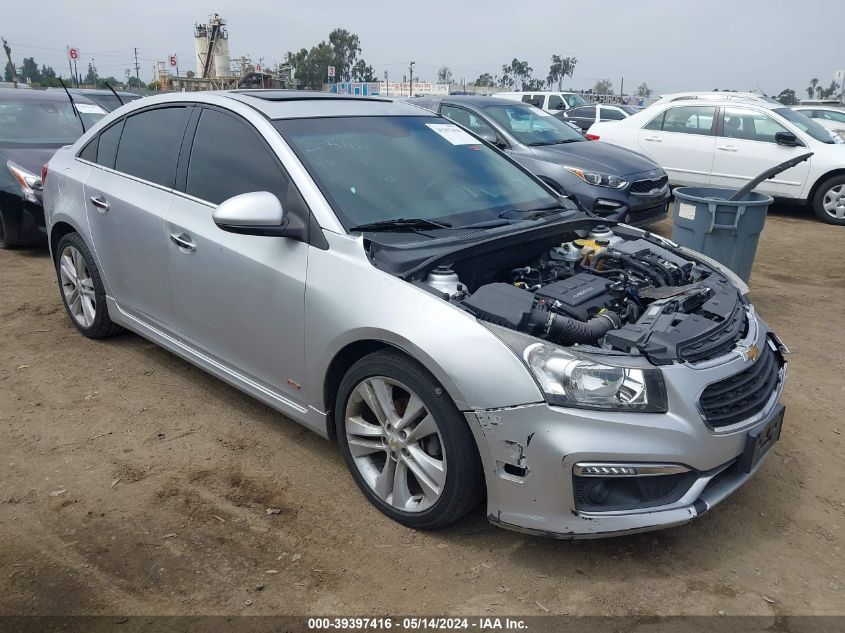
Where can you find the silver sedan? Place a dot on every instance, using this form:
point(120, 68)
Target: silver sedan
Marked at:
point(391, 281)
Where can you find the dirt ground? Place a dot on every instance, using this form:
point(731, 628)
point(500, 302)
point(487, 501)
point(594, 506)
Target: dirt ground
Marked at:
point(133, 483)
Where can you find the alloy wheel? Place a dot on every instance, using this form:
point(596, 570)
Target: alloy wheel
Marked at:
point(395, 444)
point(834, 202)
point(77, 287)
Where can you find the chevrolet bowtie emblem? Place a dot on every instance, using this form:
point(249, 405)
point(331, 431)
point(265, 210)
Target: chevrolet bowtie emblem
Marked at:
point(752, 353)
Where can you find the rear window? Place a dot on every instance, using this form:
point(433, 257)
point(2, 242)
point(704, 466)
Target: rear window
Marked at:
point(149, 146)
point(31, 122)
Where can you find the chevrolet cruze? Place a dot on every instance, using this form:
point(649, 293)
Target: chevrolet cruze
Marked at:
point(392, 282)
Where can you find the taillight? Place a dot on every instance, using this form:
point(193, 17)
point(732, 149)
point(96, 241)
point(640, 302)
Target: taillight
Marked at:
point(591, 137)
point(43, 174)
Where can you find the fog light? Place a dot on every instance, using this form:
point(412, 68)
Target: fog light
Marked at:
point(610, 204)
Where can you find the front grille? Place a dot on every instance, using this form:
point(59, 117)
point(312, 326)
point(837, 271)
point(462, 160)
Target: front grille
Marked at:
point(742, 395)
point(648, 185)
point(719, 341)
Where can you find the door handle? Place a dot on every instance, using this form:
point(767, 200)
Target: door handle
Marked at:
point(653, 139)
point(183, 241)
point(101, 203)
point(728, 148)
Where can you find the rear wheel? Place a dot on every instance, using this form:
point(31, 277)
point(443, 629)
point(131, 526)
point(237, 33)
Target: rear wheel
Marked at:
point(829, 201)
point(406, 444)
point(82, 288)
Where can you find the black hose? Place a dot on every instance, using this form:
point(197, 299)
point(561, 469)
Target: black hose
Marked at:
point(568, 331)
point(632, 263)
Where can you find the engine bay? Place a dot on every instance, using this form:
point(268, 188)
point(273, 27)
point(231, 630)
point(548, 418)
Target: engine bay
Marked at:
point(601, 288)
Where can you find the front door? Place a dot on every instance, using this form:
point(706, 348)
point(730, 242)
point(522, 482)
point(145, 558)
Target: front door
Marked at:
point(240, 299)
point(746, 148)
point(128, 195)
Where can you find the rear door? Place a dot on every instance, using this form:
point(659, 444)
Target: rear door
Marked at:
point(127, 195)
point(681, 139)
point(746, 147)
point(583, 117)
point(240, 299)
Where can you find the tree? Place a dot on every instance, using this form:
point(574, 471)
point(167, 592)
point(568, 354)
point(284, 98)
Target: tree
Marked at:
point(830, 92)
point(29, 71)
point(561, 67)
point(787, 97)
point(534, 84)
point(485, 80)
point(9, 69)
point(644, 91)
point(603, 87)
point(133, 82)
point(362, 72)
point(444, 75)
point(345, 48)
point(516, 75)
point(91, 76)
point(811, 89)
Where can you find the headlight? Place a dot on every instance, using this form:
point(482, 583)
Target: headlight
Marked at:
point(596, 178)
point(29, 182)
point(572, 379)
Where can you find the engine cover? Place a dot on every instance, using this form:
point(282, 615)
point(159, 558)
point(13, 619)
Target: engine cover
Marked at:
point(581, 296)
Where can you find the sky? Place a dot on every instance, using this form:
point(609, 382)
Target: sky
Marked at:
point(671, 45)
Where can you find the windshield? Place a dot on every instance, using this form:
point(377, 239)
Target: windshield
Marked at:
point(44, 122)
point(532, 126)
point(806, 124)
point(573, 101)
point(373, 169)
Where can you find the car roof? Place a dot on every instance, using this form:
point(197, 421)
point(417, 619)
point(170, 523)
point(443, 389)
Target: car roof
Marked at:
point(538, 92)
point(38, 95)
point(480, 101)
point(98, 91)
point(724, 102)
point(289, 104)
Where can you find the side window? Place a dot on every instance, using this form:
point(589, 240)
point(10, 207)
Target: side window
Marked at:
point(742, 123)
point(466, 119)
point(689, 119)
point(585, 112)
point(656, 123)
point(89, 152)
point(228, 158)
point(149, 146)
point(611, 114)
point(830, 115)
point(107, 145)
point(527, 99)
point(556, 103)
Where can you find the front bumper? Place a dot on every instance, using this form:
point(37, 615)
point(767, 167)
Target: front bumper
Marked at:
point(622, 205)
point(23, 220)
point(529, 453)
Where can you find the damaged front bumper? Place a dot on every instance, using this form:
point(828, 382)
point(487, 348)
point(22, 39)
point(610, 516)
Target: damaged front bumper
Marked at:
point(530, 454)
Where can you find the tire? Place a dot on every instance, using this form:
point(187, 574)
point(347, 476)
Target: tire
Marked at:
point(4, 243)
point(85, 298)
point(832, 193)
point(438, 441)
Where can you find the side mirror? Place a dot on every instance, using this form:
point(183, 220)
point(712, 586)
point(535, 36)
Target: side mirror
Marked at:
point(255, 213)
point(788, 139)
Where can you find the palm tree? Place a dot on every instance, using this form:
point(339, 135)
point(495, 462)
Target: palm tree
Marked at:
point(811, 90)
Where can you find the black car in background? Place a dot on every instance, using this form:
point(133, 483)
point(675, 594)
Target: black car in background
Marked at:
point(105, 98)
point(33, 125)
point(609, 181)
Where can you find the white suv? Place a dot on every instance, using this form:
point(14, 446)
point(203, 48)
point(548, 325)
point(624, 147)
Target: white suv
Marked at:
point(548, 101)
point(726, 143)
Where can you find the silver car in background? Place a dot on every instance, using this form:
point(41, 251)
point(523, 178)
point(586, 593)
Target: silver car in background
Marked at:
point(387, 279)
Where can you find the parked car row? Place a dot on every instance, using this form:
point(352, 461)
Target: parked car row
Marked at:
point(390, 280)
point(728, 142)
point(611, 182)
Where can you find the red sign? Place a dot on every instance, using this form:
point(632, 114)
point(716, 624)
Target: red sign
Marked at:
point(173, 60)
point(73, 53)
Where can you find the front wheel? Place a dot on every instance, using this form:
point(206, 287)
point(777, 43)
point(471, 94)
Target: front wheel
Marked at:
point(406, 444)
point(829, 201)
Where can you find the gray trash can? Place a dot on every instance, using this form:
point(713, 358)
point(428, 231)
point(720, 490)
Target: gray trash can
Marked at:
point(726, 230)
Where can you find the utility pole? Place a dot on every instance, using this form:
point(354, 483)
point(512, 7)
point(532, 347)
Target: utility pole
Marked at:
point(411, 81)
point(622, 89)
point(11, 65)
point(69, 63)
point(386, 84)
point(137, 75)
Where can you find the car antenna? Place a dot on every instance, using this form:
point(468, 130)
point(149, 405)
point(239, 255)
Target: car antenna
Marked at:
point(73, 104)
point(113, 92)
